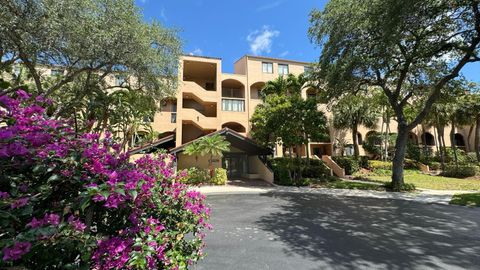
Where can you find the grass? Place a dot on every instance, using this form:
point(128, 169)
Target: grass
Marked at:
point(426, 181)
point(468, 199)
point(340, 184)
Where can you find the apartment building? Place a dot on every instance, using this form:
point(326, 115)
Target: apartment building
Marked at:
point(210, 101)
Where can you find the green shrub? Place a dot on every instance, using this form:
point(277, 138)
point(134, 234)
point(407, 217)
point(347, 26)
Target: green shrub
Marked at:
point(285, 168)
point(350, 164)
point(220, 177)
point(380, 165)
point(460, 171)
point(435, 166)
point(196, 176)
point(411, 164)
point(413, 152)
point(363, 161)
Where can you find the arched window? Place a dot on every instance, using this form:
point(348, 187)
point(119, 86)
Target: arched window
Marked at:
point(428, 139)
point(459, 141)
point(359, 138)
point(412, 138)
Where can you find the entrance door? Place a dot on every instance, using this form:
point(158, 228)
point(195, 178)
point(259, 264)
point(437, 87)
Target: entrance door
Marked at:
point(234, 164)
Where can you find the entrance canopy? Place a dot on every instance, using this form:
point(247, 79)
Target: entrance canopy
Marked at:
point(236, 140)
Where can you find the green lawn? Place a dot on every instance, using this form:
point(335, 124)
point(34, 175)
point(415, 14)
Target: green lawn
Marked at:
point(340, 184)
point(469, 199)
point(431, 182)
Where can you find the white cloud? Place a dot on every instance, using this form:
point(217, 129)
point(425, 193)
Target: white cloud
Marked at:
point(162, 14)
point(268, 6)
point(285, 53)
point(261, 41)
point(197, 51)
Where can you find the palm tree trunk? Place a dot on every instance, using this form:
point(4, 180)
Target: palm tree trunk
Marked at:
point(356, 150)
point(452, 141)
point(469, 137)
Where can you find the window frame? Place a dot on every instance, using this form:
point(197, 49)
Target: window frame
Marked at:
point(281, 69)
point(267, 64)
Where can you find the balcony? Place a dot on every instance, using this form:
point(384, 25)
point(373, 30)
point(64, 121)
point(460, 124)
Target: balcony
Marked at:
point(194, 88)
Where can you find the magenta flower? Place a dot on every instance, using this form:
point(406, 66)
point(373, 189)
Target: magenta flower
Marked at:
point(77, 224)
point(52, 219)
point(22, 94)
point(4, 195)
point(17, 251)
point(19, 203)
point(35, 223)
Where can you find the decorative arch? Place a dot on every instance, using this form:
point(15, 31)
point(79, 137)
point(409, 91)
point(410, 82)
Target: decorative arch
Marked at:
point(412, 138)
point(310, 92)
point(235, 126)
point(232, 88)
point(428, 139)
point(459, 140)
point(255, 90)
point(359, 138)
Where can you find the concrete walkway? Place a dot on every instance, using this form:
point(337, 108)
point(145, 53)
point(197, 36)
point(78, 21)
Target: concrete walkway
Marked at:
point(423, 196)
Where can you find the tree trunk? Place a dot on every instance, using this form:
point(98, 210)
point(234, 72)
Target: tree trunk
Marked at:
point(307, 149)
point(477, 138)
point(356, 150)
point(439, 146)
point(399, 157)
point(452, 141)
point(469, 138)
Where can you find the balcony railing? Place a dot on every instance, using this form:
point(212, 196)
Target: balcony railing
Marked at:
point(233, 104)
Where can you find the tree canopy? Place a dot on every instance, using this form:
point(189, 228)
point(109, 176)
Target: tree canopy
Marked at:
point(110, 66)
point(408, 48)
point(287, 116)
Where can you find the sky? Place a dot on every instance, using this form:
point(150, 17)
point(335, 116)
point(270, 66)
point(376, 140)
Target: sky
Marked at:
point(229, 29)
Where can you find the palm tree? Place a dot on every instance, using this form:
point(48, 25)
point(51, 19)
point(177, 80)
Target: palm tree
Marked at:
point(194, 149)
point(213, 145)
point(350, 112)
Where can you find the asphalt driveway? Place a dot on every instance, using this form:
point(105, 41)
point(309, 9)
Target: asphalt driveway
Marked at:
point(278, 230)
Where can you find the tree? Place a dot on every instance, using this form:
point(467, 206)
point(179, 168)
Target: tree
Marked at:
point(407, 48)
point(284, 114)
point(352, 111)
point(194, 149)
point(213, 146)
point(112, 68)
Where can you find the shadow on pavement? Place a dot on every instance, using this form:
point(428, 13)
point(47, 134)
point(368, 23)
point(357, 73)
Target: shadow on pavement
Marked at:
point(374, 233)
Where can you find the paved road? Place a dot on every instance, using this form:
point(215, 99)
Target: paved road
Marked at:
point(297, 231)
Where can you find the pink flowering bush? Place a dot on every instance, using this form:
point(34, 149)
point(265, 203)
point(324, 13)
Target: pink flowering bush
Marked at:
point(70, 201)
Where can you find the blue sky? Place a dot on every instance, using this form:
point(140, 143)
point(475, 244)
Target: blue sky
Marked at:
point(230, 29)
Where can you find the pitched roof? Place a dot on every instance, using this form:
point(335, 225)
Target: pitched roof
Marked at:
point(153, 144)
point(236, 140)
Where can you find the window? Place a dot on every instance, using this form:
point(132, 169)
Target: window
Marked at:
point(56, 72)
point(233, 105)
point(282, 69)
point(119, 80)
point(307, 69)
point(173, 117)
point(267, 67)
